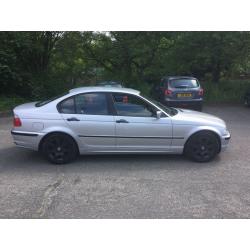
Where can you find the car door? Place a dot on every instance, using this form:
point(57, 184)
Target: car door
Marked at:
point(88, 115)
point(137, 128)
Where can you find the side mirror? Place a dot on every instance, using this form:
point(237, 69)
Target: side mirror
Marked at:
point(158, 114)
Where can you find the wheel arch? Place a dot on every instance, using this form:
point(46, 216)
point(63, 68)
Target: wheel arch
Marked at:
point(206, 129)
point(57, 132)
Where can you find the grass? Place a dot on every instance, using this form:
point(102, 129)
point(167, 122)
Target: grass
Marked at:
point(231, 91)
point(8, 103)
point(226, 91)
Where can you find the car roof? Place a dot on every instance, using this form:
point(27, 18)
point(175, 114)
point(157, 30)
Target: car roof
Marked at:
point(104, 89)
point(178, 77)
point(108, 83)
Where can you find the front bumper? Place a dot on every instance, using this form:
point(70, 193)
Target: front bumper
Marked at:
point(225, 141)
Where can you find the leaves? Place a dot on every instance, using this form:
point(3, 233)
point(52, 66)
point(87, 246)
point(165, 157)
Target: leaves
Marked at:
point(36, 64)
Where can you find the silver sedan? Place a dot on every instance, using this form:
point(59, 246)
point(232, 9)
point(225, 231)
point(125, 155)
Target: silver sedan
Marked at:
point(99, 120)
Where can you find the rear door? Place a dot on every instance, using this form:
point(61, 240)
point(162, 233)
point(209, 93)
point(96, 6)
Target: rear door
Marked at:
point(137, 128)
point(88, 115)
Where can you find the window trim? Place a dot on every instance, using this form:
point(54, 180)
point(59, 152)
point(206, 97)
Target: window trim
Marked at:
point(136, 96)
point(110, 111)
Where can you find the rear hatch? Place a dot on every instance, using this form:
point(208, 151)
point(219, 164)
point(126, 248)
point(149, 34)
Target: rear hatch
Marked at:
point(184, 88)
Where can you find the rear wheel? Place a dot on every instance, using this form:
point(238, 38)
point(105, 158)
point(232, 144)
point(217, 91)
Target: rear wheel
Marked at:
point(202, 146)
point(59, 148)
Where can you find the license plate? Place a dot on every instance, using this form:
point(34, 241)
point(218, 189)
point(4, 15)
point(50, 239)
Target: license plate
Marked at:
point(184, 95)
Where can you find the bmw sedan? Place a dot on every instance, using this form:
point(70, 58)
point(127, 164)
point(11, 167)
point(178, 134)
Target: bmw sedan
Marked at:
point(99, 120)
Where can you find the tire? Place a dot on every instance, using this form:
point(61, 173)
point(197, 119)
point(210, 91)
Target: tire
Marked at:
point(59, 148)
point(202, 146)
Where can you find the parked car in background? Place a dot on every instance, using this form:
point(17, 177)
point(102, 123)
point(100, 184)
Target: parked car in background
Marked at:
point(100, 120)
point(110, 84)
point(179, 91)
point(247, 98)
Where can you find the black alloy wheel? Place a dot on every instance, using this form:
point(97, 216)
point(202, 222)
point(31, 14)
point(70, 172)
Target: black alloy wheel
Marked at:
point(59, 148)
point(202, 146)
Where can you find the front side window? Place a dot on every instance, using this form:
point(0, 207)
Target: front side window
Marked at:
point(130, 105)
point(85, 104)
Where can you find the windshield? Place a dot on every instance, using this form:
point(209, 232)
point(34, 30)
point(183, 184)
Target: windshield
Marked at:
point(169, 110)
point(184, 83)
point(44, 102)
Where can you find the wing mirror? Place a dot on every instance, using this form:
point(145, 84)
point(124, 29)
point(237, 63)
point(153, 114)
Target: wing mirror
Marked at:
point(158, 114)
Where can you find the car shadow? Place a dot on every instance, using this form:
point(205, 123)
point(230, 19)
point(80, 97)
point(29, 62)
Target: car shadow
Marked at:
point(18, 158)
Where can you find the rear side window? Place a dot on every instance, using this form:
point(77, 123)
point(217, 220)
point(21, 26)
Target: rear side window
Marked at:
point(67, 106)
point(91, 104)
point(85, 104)
point(184, 83)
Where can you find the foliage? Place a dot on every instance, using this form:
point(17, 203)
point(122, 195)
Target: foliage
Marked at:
point(37, 65)
point(8, 103)
point(228, 91)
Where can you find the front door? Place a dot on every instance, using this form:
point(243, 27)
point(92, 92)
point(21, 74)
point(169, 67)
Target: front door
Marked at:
point(137, 128)
point(88, 115)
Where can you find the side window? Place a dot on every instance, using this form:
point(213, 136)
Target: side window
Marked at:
point(67, 106)
point(130, 105)
point(91, 104)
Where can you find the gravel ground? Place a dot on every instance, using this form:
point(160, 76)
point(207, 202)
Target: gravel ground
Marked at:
point(134, 186)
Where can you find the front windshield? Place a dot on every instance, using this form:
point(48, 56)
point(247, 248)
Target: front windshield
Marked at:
point(169, 110)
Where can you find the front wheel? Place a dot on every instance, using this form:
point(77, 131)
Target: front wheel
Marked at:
point(202, 146)
point(59, 148)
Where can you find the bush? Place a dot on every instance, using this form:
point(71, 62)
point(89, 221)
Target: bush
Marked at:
point(8, 103)
point(226, 91)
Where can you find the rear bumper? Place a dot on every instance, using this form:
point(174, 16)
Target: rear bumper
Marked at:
point(28, 140)
point(183, 103)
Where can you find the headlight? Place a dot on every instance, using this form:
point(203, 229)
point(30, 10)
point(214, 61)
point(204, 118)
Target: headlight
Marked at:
point(225, 132)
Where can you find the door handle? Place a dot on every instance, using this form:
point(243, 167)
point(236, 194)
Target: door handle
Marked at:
point(122, 121)
point(73, 119)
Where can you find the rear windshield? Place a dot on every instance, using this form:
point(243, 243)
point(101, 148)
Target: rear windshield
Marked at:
point(184, 83)
point(44, 102)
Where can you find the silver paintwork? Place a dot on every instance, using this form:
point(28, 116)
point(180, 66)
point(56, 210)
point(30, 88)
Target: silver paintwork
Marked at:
point(101, 134)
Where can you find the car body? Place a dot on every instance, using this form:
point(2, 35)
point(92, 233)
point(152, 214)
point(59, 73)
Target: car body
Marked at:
point(179, 91)
point(100, 120)
point(110, 84)
point(247, 98)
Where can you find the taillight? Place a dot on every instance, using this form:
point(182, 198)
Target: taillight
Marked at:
point(17, 122)
point(168, 92)
point(201, 92)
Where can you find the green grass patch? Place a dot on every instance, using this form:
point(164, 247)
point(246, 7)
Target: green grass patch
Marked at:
point(8, 103)
point(226, 91)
